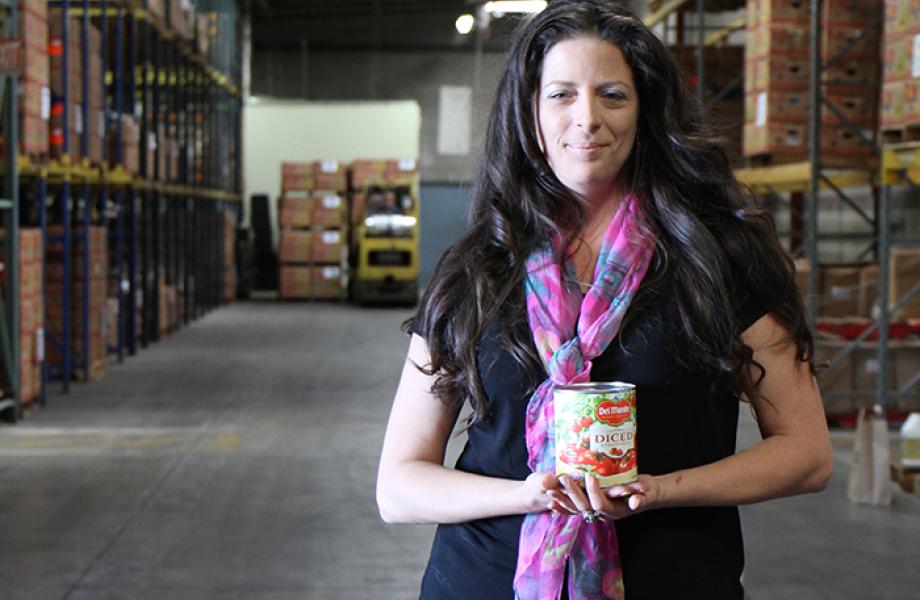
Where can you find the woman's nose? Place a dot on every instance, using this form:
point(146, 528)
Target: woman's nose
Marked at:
point(587, 116)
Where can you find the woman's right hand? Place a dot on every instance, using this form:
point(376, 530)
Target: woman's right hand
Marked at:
point(536, 491)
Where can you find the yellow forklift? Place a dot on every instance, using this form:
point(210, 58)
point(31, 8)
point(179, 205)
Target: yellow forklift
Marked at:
point(385, 247)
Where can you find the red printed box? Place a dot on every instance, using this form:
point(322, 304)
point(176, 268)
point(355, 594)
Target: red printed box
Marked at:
point(296, 182)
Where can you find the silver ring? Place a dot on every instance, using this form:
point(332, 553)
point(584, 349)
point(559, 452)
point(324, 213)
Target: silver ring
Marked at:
point(591, 516)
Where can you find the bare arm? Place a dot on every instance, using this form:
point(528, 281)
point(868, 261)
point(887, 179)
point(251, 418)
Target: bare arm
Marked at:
point(413, 485)
point(794, 456)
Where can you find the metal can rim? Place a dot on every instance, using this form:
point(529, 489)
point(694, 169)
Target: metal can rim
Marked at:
point(596, 386)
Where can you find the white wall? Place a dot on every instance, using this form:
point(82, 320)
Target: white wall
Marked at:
point(275, 131)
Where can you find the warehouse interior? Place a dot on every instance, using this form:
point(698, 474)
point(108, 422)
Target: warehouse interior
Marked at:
point(216, 216)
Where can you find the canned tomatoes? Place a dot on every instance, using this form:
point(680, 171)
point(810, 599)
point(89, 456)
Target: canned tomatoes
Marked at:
point(596, 431)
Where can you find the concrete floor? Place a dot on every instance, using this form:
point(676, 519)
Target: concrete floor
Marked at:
point(236, 460)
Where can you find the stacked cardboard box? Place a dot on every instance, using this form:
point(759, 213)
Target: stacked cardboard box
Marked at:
point(31, 314)
point(93, 96)
point(34, 79)
point(91, 365)
point(900, 110)
point(314, 225)
point(777, 72)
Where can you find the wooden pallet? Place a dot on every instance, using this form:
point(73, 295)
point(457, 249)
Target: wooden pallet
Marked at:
point(900, 135)
point(828, 162)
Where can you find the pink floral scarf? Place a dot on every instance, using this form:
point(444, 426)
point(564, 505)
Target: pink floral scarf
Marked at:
point(569, 331)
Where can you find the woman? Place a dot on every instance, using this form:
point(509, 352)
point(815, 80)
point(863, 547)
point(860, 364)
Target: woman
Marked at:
point(609, 240)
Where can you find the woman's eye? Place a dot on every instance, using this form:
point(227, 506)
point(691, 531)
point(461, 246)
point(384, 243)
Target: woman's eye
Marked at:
point(558, 95)
point(618, 96)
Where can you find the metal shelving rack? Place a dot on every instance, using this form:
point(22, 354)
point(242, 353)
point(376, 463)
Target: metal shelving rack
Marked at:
point(156, 227)
point(804, 181)
point(10, 407)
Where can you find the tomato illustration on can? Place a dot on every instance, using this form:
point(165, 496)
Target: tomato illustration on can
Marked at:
point(596, 431)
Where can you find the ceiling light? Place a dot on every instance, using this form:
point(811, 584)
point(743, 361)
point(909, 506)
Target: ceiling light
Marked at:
point(464, 24)
point(514, 6)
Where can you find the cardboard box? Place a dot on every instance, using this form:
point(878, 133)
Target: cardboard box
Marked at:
point(36, 66)
point(783, 138)
point(33, 29)
point(367, 173)
point(328, 283)
point(836, 38)
point(898, 57)
point(402, 172)
point(328, 210)
point(859, 105)
point(840, 291)
point(295, 212)
point(777, 106)
point(780, 37)
point(295, 282)
point(34, 99)
point(786, 71)
point(295, 246)
point(33, 135)
point(854, 71)
point(853, 12)
point(296, 168)
point(328, 246)
point(892, 109)
point(36, 7)
point(840, 142)
point(329, 176)
point(903, 275)
point(296, 183)
point(898, 17)
point(783, 10)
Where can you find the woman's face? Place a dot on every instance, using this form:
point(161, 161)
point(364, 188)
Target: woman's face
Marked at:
point(587, 111)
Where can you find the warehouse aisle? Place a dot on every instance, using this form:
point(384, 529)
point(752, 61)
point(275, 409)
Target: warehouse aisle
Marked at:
point(236, 460)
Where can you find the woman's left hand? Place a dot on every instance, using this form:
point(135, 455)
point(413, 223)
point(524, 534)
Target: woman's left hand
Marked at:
point(612, 503)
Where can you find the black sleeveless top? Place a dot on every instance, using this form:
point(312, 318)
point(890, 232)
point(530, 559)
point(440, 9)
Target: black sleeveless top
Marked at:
point(688, 553)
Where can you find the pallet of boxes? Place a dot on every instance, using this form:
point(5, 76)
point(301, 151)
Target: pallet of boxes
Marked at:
point(847, 298)
point(313, 244)
point(31, 316)
point(87, 303)
point(92, 119)
point(777, 73)
point(34, 79)
point(900, 103)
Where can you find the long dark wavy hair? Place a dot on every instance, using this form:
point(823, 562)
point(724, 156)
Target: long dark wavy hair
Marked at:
point(710, 239)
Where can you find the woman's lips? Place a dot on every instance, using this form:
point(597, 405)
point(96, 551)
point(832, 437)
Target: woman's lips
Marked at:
point(586, 147)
